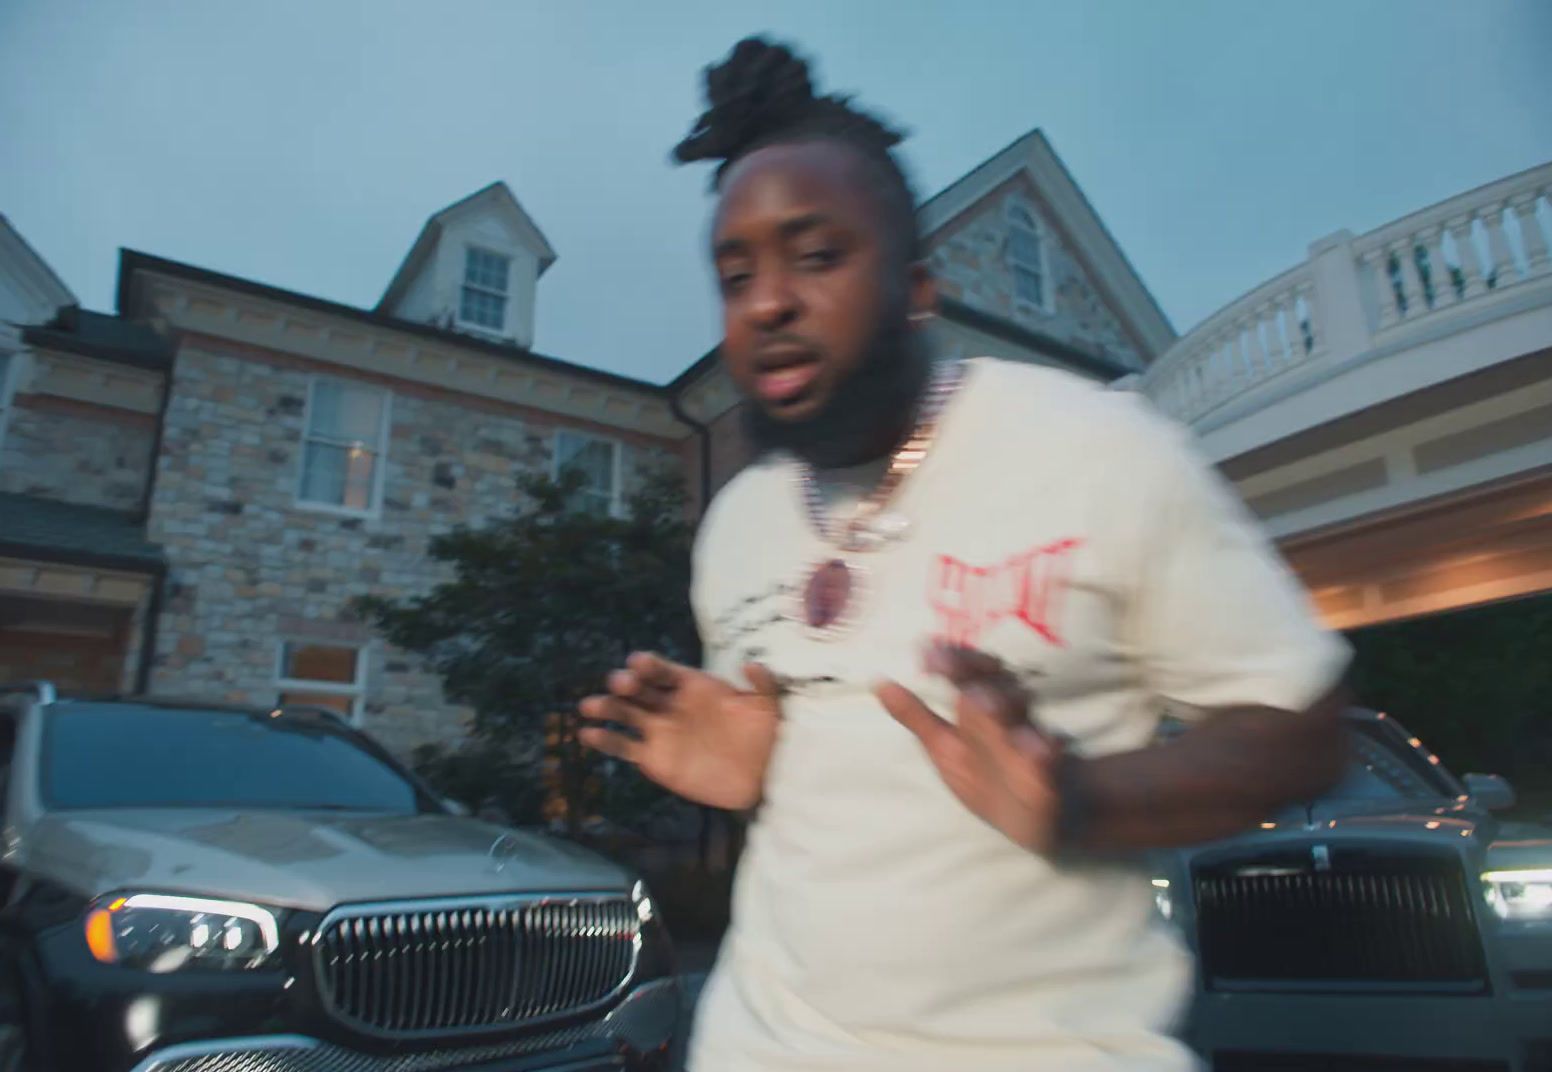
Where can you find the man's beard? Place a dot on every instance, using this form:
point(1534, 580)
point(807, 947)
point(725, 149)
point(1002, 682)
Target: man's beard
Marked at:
point(869, 414)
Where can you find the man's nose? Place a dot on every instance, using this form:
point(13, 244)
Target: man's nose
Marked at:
point(773, 303)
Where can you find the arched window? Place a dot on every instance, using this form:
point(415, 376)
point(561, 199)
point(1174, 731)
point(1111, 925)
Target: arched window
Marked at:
point(1027, 258)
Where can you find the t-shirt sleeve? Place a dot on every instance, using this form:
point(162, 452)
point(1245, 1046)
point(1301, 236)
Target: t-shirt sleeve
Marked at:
point(718, 656)
point(1218, 618)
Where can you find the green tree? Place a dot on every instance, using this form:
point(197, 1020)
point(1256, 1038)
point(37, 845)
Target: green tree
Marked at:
point(1475, 685)
point(540, 607)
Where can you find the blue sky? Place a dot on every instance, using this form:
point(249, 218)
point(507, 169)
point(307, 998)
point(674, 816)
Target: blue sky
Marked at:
point(303, 142)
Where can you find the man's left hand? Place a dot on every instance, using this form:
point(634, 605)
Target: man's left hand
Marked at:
point(991, 757)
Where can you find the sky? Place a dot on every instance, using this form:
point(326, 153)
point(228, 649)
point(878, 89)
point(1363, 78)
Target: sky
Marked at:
point(303, 143)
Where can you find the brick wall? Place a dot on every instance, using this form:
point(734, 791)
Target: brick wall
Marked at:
point(250, 566)
point(76, 452)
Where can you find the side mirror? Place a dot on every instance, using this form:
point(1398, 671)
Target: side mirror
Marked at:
point(1490, 791)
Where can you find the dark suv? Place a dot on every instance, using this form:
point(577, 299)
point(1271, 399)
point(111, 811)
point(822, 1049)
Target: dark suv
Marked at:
point(195, 887)
point(1396, 923)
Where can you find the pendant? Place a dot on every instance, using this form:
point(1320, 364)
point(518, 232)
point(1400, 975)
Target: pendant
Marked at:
point(829, 598)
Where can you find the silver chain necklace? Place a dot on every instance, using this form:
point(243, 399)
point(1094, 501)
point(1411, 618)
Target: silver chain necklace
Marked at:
point(831, 590)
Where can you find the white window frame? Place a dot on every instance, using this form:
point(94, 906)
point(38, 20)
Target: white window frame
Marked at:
point(504, 295)
point(617, 476)
point(385, 424)
point(356, 690)
point(1047, 303)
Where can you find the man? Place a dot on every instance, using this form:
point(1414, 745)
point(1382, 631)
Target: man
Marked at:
point(942, 615)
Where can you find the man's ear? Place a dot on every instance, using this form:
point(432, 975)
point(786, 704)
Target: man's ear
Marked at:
point(922, 292)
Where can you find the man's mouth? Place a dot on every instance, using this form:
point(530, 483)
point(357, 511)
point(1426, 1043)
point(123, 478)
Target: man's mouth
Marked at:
point(785, 376)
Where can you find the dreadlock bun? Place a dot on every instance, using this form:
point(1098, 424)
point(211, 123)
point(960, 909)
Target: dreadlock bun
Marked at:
point(762, 94)
point(759, 88)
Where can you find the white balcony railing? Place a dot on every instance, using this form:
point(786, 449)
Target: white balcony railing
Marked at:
point(1354, 294)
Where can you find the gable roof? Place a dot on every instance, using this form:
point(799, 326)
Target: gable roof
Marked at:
point(1032, 155)
point(499, 197)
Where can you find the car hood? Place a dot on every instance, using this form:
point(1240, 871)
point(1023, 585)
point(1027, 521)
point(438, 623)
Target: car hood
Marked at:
point(304, 860)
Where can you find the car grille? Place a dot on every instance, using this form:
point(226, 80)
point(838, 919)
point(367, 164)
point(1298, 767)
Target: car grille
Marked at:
point(438, 968)
point(292, 1053)
point(1337, 917)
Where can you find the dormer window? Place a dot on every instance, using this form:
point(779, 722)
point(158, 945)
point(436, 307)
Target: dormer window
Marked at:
point(1026, 258)
point(484, 300)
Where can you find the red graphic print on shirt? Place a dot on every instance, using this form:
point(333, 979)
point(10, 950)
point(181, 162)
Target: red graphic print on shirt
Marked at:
point(1028, 586)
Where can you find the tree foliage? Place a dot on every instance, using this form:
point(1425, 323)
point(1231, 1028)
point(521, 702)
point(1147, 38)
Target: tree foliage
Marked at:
point(1475, 685)
point(539, 608)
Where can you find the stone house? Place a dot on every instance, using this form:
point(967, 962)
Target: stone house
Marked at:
point(193, 490)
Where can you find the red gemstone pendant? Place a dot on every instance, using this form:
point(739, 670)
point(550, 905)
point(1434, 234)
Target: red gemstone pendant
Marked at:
point(827, 594)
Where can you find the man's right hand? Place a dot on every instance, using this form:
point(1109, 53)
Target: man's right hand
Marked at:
point(694, 734)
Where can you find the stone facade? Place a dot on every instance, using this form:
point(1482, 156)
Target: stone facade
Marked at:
point(79, 453)
point(971, 262)
point(251, 567)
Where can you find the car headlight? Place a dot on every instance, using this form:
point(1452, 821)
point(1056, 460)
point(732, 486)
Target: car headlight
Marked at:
point(163, 933)
point(646, 911)
point(1517, 894)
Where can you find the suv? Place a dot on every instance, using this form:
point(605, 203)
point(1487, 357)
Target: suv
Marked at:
point(198, 887)
point(1395, 923)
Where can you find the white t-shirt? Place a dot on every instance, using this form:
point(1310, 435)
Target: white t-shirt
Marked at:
point(879, 926)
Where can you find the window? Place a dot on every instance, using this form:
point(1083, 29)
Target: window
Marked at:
point(323, 675)
point(345, 438)
point(598, 463)
point(1026, 256)
point(484, 299)
point(173, 757)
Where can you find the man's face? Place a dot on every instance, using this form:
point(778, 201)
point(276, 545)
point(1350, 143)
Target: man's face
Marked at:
point(808, 278)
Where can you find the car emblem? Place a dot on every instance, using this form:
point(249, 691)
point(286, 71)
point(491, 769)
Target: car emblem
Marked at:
point(503, 849)
point(1322, 854)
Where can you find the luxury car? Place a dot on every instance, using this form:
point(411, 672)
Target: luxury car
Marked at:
point(195, 887)
point(1395, 923)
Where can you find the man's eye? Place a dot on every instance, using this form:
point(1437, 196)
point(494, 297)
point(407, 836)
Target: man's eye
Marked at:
point(734, 281)
point(820, 258)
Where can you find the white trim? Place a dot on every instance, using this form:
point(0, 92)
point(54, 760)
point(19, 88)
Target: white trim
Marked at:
point(356, 691)
point(617, 477)
point(374, 509)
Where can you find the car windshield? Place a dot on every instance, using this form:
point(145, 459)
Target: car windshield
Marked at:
point(99, 755)
point(1386, 766)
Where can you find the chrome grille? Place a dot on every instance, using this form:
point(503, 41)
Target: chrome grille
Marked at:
point(439, 968)
point(1367, 918)
point(291, 1053)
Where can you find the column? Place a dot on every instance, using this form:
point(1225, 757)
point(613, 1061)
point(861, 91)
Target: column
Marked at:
point(1439, 268)
point(1271, 341)
point(1379, 265)
point(1311, 318)
point(1498, 248)
point(1411, 281)
point(1255, 349)
point(1535, 244)
point(1292, 333)
point(1239, 356)
point(1466, 248)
